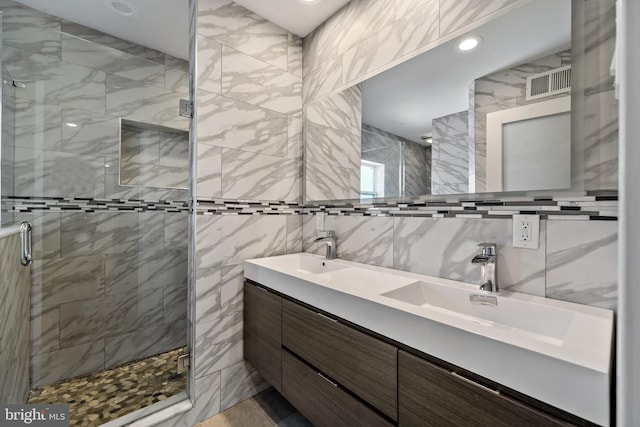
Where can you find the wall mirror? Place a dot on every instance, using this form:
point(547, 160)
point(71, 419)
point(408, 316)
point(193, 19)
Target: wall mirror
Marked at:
point(493, 118)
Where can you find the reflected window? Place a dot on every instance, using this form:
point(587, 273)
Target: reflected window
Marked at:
point(371, 179)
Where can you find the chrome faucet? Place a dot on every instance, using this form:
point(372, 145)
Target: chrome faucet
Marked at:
point(488, 260)
point(329, 238)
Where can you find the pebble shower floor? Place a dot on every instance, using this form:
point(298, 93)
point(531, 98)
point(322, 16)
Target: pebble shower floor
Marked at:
point(101, 397)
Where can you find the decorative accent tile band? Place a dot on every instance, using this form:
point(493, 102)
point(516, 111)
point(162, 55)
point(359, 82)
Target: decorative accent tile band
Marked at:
point(592, 207)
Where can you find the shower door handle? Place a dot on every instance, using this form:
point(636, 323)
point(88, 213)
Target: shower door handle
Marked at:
point(25, 243)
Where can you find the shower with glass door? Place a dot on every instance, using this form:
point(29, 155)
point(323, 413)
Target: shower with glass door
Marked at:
point(96, 157)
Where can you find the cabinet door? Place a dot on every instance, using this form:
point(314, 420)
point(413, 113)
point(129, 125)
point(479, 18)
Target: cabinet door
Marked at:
point(324, 403)
point(263, 333)
point(361, 363)
point(431, 396)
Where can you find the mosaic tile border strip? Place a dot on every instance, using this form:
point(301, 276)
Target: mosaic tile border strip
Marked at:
point(590, 207)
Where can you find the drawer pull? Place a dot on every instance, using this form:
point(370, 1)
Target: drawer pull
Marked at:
point(324, 377)
point(470, 381)
point(327, 317)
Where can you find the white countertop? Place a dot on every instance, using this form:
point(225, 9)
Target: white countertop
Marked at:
point(554, 351)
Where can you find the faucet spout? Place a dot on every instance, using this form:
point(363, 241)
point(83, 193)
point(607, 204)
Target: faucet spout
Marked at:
point(330, 239)
point(488, 261)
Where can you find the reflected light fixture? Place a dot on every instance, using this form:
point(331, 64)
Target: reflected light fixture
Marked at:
point(469, 43)
point(72, 125)
point(121, 7)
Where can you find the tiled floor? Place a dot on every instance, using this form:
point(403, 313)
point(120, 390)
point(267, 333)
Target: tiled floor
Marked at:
point(101, 397)
point(267, 409)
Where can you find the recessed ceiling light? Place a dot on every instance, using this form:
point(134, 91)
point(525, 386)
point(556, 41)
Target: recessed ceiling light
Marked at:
point(122, 7)
point(427, 138)
point(309, 1)
point(72, 125)
point(469, 43)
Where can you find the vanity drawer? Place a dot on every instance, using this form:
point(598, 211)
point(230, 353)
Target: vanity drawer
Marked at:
point(362, 364)
point(321, 401)
point(429, 395)
point(262, 333)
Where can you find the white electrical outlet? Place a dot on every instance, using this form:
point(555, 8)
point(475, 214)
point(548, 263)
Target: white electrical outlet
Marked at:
point(320, 221)
point(526, 231)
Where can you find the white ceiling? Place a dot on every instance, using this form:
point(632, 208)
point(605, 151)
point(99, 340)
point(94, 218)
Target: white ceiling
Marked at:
point(164, 24)
point(296, 16)
point(405, 99)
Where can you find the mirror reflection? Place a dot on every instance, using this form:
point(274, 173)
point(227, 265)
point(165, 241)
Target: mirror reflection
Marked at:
point(488, 111)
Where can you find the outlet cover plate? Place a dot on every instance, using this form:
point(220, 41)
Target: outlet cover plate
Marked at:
point(526, 231)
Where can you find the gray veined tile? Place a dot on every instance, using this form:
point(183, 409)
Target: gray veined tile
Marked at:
point(176, 230)
point(140, 101)
point(392, 42)
point(294, 52)
point(112, 187)
point(54, 174)
point(251, 176)
point(364, 239)
point(232, 290)
point(327, 182)
point(235, 26)
point(99, 233)
point(15, 13)
point(226, 122)
point(139, 344)
point(250, 80)
point(150, 175)
point(48, 368)
point(109, 60)
point(175, 304)
point(45, 235)
point(294, 234)
point(208, 294)
point(174, 149)
point(151, 229)
point(239, 238)
point(209, 64)
point(600, 141)
point(146, 270)
point(218, 344)
point(341, 111)
point(31, 38)
point(455, 14)
point(207, 403)
point(334, 147)
point(139, 145)
point(78, 87)
point(239, 382)
point(45, 329)
point(93, 134)
point(109, 316)
point(294, 134)
point(582, 262)
point(209, 170)
point(322, 80)
point(176, 74)
point(62, 280)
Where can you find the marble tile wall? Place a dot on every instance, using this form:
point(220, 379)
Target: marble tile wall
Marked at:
point(14, 322)
point(107, 287)
point(333, 146)
point(449, 153)
point(576, 260)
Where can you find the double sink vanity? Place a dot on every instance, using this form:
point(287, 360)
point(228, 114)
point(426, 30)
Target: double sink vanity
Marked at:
point(354, 344)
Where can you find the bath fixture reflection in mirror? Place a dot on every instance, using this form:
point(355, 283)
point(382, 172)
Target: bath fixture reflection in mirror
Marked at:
point(427, 126)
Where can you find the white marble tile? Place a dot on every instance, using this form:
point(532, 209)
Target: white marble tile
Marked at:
point(322, 80)
point(251, 176)
point(294, 234)
point(45, 329)
point(294, 53)
point(363, 239)
point(238, 238)
point(94, 133)
point(209, 64)
point(207, 403)
point(341, 111)
point(36, 125)
point(444, 247)
point(600, 141)
point(455, 14)
point(209, 171)
point(61, 280)
point(232, 289)
point(47, 368)
point(582, 262)
point(235, 26)
point(326, 182)
point(218, 344)
point(294, 136)
point(239, 382)
point(250, 80)
point(208, 298)
point(229, 123)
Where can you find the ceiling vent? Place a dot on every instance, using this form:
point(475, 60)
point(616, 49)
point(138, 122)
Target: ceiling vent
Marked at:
point(549, 83)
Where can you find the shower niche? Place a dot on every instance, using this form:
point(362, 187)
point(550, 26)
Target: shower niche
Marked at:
point(153, 156)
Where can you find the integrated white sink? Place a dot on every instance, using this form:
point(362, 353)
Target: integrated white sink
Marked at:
point(541, 322)
point(553, 351)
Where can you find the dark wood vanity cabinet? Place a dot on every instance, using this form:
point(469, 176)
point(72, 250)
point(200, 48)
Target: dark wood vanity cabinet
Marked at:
point(338, 375)
point(262, 333)
point(361, 363)
point(432, 396)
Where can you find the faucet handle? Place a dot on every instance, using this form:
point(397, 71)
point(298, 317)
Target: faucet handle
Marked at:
point(488, 248)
